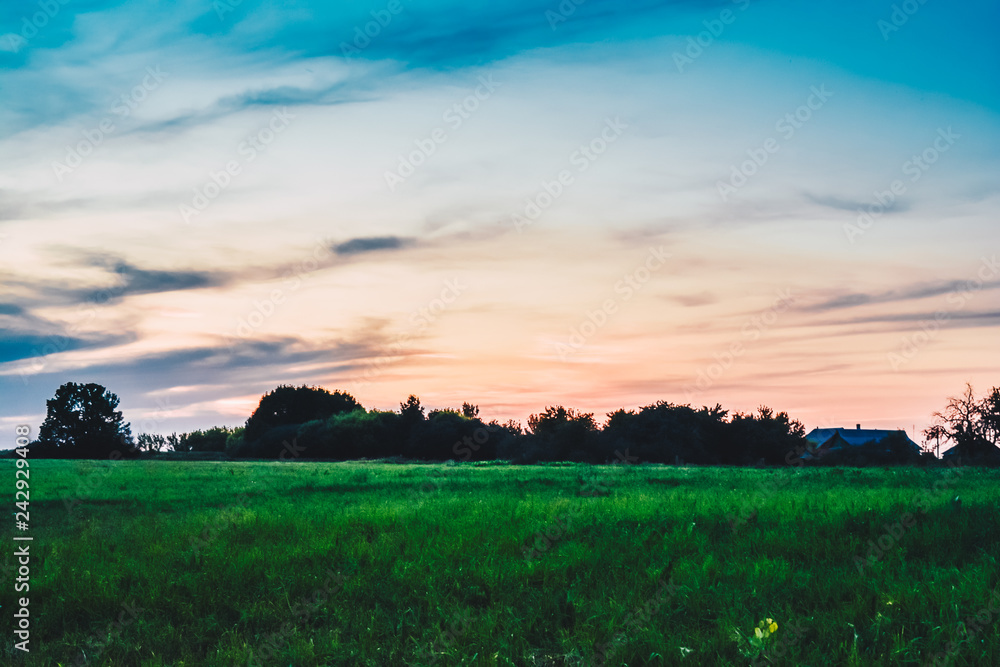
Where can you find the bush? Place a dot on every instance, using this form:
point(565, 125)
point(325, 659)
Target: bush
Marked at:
point(210, 440)
point(271, 444)
point(560, 433)
point(288, 405)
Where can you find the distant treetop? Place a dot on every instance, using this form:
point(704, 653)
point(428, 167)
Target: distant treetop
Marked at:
point(296, 405)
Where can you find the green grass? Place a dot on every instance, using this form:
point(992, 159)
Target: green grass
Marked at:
point(216, 559)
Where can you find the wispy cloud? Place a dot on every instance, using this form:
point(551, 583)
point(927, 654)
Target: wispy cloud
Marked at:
point(16, 345)
point(852, 205)
point(913, 292)
point(371, 244)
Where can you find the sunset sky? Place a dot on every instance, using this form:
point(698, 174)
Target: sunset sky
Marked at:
point(516, 204)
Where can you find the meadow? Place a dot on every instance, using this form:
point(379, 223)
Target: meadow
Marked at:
point(366, 563)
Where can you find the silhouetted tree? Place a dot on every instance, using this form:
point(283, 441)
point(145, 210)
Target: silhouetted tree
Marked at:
point(289, 405)
point(764, 437)
point(667, 433)
point(435, 437)
point(972, 424)
point(150, 442)
point(351, 435)
point(990, 415)
point(411, 411)
point(82, 422)
point(210, 440)
point(176, 443)
point(561, 434)
point(935, 432)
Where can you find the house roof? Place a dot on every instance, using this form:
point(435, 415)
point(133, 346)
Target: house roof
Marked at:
point(988, 450)
point(853, 436)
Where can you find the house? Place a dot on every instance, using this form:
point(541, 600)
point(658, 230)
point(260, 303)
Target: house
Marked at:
point(986, 452)
point(828, 440)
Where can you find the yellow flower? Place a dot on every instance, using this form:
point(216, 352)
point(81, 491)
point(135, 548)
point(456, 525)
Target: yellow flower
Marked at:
point(771, 629)
point(758, 633)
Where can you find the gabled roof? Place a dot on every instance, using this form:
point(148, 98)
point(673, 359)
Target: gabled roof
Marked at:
point(989, 450)
point(853, 436)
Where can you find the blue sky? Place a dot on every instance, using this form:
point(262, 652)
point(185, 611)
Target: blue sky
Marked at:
point(250, 209)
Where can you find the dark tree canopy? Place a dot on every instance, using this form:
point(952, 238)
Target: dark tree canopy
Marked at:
point(209, 440)
point(312, 423)
point(411, 411)
point(666, 432)
point(82, 422)
point(296, 405)
point(561, 434)
point(972, 424)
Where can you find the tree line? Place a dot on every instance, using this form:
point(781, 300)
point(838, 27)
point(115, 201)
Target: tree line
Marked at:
point(308, 422)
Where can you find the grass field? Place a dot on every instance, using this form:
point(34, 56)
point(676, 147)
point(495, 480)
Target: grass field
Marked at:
point(208, 563)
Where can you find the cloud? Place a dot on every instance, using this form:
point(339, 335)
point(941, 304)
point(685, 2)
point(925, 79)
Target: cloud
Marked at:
point(845, 204)
point(692, 300)
point(907, 293)
point(16, 345)
point(9, 208)
point(243, 364)
point(358, 89)
point(127, 280)
point(444, 35)
point(10, 42)
point(338, 93)
point(134, 280)
point(371, 244)
point(457, 37)
point(141, 281)
point(964, 319)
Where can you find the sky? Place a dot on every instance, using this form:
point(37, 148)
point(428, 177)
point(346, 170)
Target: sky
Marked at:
point(517, 204)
